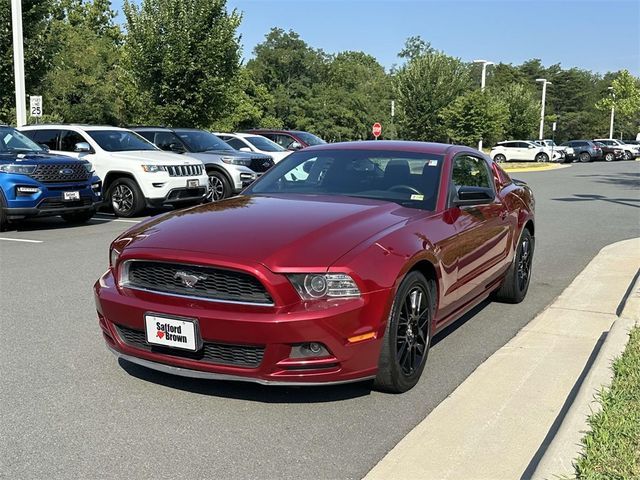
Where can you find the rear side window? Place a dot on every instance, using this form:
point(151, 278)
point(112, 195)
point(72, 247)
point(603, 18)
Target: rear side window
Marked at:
point(68, 140)
point(236, 143)
point(283, 140)
point(44, 137)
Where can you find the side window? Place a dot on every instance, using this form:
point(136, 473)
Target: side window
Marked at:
point(163, 140)
point(236, 143)
point(284, 140)
point(146, 135)
point(523, 145)
point(68, 140)
point(44, 137)
point(471, 171)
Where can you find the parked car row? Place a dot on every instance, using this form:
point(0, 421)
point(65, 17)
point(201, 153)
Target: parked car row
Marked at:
point(72, 170)
point(581, 150)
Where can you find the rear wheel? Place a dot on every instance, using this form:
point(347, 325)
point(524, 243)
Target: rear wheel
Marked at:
point(407, 337)
point(125, 197)
point(3, 215)
point(584, 157)
point(627, 155)
point(609, 157)
point(499, 158)
point(78, 217)
point(516, 281)
point(219, 186)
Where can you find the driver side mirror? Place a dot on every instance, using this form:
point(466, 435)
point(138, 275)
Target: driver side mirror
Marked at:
point(294, 146)
point(473, 196)
point(82, 147)
point(44, 146)
point(244, 149)
point(531, 146)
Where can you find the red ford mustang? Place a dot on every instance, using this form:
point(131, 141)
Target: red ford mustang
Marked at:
point(338, 265)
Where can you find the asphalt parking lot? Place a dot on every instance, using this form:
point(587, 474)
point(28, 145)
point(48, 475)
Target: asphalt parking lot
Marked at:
point(69, 410)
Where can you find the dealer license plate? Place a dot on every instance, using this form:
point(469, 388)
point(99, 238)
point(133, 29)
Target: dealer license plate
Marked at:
point(71, 195)
point(171, 332)
point(193, 183)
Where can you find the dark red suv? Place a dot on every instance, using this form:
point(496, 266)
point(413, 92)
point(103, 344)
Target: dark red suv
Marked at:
point(289, 139)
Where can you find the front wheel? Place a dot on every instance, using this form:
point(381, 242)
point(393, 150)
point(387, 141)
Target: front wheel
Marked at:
point(609, 157)
point(516, 282)
point(219, 187)
point(125, 197)
point(407, 337)
point(628, 156)
point(499, 158)
point(542, 158)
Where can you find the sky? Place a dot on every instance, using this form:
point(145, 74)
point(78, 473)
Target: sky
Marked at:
point(597, 35)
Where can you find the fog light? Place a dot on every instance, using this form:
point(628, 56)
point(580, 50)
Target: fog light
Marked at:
point(311, 349)
point(28, 189)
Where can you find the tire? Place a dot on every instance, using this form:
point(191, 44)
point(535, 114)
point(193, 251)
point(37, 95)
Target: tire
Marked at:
point(627, 155)
point(408, 331)
point(219, 185)
point(78, 217)
point(516, 281)
point(609, 157)
point(3, 215)
point(542, 157)
point(125, 198)
point(584, 157)
point(499, 158)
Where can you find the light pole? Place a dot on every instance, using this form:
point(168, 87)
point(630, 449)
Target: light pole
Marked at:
point(18, 61)
point(482, 82)
point(613, 94)
point(545, 82)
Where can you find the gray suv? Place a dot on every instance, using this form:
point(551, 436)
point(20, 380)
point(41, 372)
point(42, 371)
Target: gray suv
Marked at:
point(228, 169)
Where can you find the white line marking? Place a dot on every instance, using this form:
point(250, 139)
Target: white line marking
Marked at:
point(20, 240)
point(114, 220)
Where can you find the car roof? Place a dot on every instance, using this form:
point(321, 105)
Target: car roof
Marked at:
point(238, 134)
point(45, 126)
point(394, 145)
point(150, 129)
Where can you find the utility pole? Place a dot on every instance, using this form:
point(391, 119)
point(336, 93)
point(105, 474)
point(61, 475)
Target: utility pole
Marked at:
point(482, 82)
point(612, 111)
point(545, 82)
point(18, 62)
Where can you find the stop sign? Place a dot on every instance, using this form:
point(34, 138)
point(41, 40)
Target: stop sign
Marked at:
point(376, 130)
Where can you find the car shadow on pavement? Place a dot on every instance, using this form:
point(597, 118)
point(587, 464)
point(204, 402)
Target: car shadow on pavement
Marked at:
point(452, 327)
point(250, 391)
point(584, 197)
point(624, 179)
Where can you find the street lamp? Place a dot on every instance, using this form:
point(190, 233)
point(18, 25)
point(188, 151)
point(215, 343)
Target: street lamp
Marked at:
point(613, 94)
point(18, 61)
point(482, 82)
point(545, 82)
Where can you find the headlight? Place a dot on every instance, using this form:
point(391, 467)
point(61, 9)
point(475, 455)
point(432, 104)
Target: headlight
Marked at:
point(153, 168)
point(236, 161)
point(89, 167)
point(569, 151)
point(17, 168)
point(313, 286)
point(114, 255)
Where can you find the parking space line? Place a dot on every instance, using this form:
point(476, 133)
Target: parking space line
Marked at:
point(98, 219)
point(20, 240)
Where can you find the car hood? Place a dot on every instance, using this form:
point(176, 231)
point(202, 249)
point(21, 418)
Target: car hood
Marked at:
point(231, 153)
point(38, 158)
point(155, 157)
point(284, 233)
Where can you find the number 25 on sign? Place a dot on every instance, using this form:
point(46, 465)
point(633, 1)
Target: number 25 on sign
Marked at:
point(35, 106)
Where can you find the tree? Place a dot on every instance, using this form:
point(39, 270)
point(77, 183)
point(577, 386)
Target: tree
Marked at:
point(424, 87)
point(183, 56)
point(626, 100)
point(475, 115)
point(523, 110)
point(415, 47)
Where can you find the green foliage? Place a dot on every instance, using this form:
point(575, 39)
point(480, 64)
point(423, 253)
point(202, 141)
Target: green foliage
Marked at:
point(523, 111)
point(184, 56)
point(424, 87)
point(626, 99)
point(475, 115)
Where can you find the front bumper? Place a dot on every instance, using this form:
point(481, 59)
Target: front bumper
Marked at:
point(275, 329)
point(178, 196)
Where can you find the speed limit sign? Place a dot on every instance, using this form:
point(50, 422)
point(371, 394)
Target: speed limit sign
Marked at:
point(35, 106)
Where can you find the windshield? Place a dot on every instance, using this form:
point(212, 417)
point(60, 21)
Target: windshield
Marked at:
point(12, 141)
point(120, 140)
point(309, 138)
point(201, 141)
point(264, 144)
point(407, 178)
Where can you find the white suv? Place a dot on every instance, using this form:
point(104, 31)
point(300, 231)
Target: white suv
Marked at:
point(249, 142)
point(523, 150)
point(135, 173)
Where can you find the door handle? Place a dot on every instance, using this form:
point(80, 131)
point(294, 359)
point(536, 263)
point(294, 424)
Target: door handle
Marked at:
point(504, 214)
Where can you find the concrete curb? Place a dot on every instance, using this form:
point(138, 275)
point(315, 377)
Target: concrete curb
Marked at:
point(546, 168)
point(503, 419)
point(566, 447)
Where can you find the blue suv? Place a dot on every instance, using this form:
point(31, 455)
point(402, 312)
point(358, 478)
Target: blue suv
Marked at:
point(35, 183)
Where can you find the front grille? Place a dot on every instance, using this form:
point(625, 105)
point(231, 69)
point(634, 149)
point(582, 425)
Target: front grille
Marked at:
point(247, 356)
point(261, 164)
point(211, 283)
point(184, 170)
point(72, 172)
point(54, 203)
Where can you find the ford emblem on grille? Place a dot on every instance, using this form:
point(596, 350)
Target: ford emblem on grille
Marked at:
point(267, 163)
point(188, 279)
point(66, 171)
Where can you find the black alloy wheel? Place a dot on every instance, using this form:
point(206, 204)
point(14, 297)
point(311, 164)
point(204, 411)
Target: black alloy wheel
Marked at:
point(515, 285)
point(125, 198)
point(407, 338)
point(525, 257)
